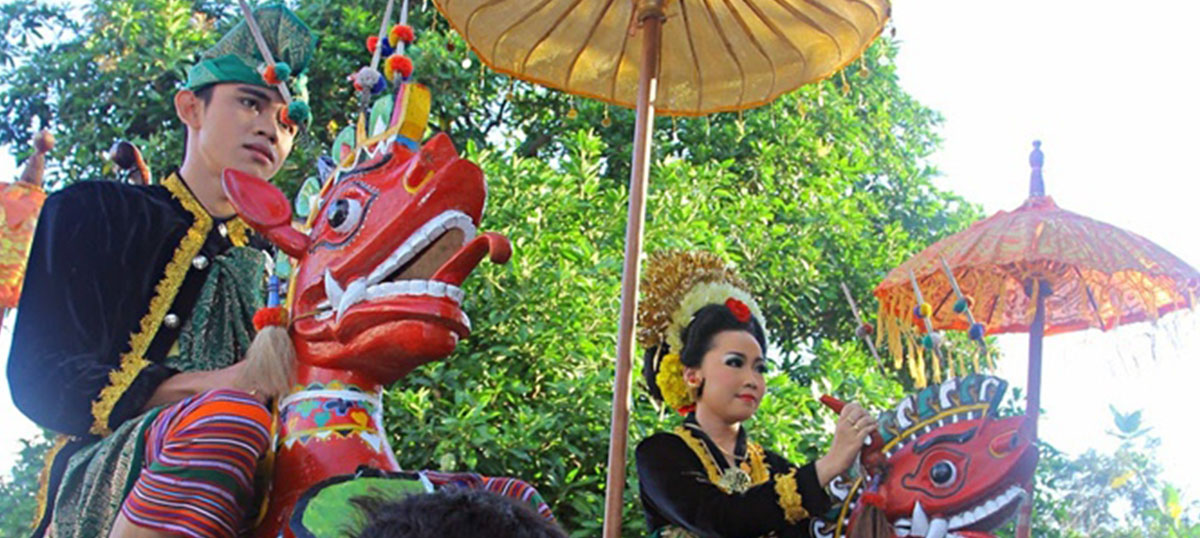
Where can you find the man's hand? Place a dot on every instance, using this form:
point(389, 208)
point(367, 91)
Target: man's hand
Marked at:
point(185, 384)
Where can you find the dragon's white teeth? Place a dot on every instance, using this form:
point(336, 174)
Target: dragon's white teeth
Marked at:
point(422, 238)
point(355, 292)
point(920, 521)
point(937, 529)
point(988, 508)
point(429, 288)
point(333, 291)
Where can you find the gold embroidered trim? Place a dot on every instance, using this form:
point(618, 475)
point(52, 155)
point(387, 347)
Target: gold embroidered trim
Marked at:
point(43, 495)
point(789, 497)
point(755, 466)
point(238, 232)
point(758, 465)
point(134, 360)
point(697, 446)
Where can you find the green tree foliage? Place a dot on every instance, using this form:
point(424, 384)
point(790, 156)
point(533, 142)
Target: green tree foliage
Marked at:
point(19, 488)
point(1122, 494)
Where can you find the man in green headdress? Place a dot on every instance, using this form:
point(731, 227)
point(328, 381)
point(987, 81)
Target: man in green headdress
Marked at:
point(138, 306)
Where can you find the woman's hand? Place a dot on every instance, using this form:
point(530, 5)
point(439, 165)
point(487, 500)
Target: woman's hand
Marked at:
point(854, 425)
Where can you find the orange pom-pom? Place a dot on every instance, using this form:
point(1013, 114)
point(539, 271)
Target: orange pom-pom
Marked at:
point(270, 316)
point(401, 33)
point(372, 43)
point(400, 65)
point(268, 75)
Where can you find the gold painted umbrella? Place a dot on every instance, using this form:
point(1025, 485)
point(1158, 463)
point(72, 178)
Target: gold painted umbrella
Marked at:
point(671, 57)
point(1038, 269)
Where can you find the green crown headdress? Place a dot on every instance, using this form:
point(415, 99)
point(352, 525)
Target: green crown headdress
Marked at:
point(271, 47)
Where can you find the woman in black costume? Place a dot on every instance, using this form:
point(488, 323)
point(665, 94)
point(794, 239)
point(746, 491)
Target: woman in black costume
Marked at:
point(704, 340)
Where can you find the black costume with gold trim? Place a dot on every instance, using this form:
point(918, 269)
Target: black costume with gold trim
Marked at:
point(687, 488)
point(113, 278)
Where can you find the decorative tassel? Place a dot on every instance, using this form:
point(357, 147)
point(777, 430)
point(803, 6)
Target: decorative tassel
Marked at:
point(271, 360)
point(270, 367)
point(921, 380)
point(270, 316)
point(937, 368)
point(871, 522)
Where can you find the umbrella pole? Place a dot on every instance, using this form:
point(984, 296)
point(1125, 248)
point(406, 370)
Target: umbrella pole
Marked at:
point(1033, 398)
point(650, 17)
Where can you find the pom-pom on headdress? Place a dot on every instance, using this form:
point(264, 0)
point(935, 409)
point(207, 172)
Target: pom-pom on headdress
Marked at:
point(676, 285)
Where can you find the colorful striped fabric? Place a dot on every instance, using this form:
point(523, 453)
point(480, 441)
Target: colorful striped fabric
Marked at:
point(200, 459)
point(509, 487)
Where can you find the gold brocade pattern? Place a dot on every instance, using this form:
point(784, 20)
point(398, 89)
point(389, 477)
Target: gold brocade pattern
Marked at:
point(758, 464)
point(669, 276)
point(789, 497)
point(239, 232)
point(755, 467)
point(133, 361)
point(43, 494)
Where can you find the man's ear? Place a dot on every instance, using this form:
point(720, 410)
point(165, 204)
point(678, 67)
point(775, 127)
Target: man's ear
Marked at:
point(190, 108)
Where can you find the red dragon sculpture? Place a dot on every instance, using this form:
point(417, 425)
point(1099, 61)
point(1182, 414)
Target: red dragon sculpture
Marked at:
point(375, 293)
point(944, 465)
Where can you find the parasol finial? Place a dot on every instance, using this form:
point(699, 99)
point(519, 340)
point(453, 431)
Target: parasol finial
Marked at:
point(1036, 186)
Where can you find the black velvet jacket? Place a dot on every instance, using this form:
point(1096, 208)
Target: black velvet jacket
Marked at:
point(113, 274)
point(678, 481)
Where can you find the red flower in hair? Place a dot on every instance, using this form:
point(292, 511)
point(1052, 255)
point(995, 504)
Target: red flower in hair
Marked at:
point(739, 309)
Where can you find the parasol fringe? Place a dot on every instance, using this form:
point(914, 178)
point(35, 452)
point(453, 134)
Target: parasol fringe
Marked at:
point(937, 369)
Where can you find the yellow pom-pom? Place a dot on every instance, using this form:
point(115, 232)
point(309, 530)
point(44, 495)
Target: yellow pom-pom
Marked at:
point(926, 310)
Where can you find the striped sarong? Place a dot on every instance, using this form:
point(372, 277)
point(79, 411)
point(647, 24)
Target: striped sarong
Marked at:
point(512, 488)
point(201, 454)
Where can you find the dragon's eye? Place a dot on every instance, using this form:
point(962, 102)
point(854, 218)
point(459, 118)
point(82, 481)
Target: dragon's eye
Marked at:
point(344, 215)
point(943, 473)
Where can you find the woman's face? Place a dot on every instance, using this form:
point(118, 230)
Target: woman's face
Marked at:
point(732, 373)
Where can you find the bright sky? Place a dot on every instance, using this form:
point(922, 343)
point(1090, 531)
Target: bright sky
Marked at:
point(1111, 93)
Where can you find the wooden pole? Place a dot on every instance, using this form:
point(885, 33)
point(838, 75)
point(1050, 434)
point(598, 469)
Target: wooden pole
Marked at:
point(1033, 398)
point(859, 319)
point(937, 353)
point(650, 17)
point(963, 297)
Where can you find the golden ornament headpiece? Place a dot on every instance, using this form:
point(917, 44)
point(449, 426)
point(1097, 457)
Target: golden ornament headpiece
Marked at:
point(676, 285)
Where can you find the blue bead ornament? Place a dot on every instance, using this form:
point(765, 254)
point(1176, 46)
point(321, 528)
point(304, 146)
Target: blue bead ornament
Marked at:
point(976, 331)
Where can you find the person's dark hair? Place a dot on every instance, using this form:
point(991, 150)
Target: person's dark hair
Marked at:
point(205, 94)
point(697, 340)
point(452, 512)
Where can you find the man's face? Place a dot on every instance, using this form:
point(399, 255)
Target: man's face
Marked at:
point(242, 128)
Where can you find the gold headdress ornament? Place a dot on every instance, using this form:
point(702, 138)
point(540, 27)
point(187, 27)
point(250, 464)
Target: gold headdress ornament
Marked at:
point(676, 285)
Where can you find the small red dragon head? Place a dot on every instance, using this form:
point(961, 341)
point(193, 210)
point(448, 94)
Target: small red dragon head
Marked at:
point(377, 283)
point(951, 468)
